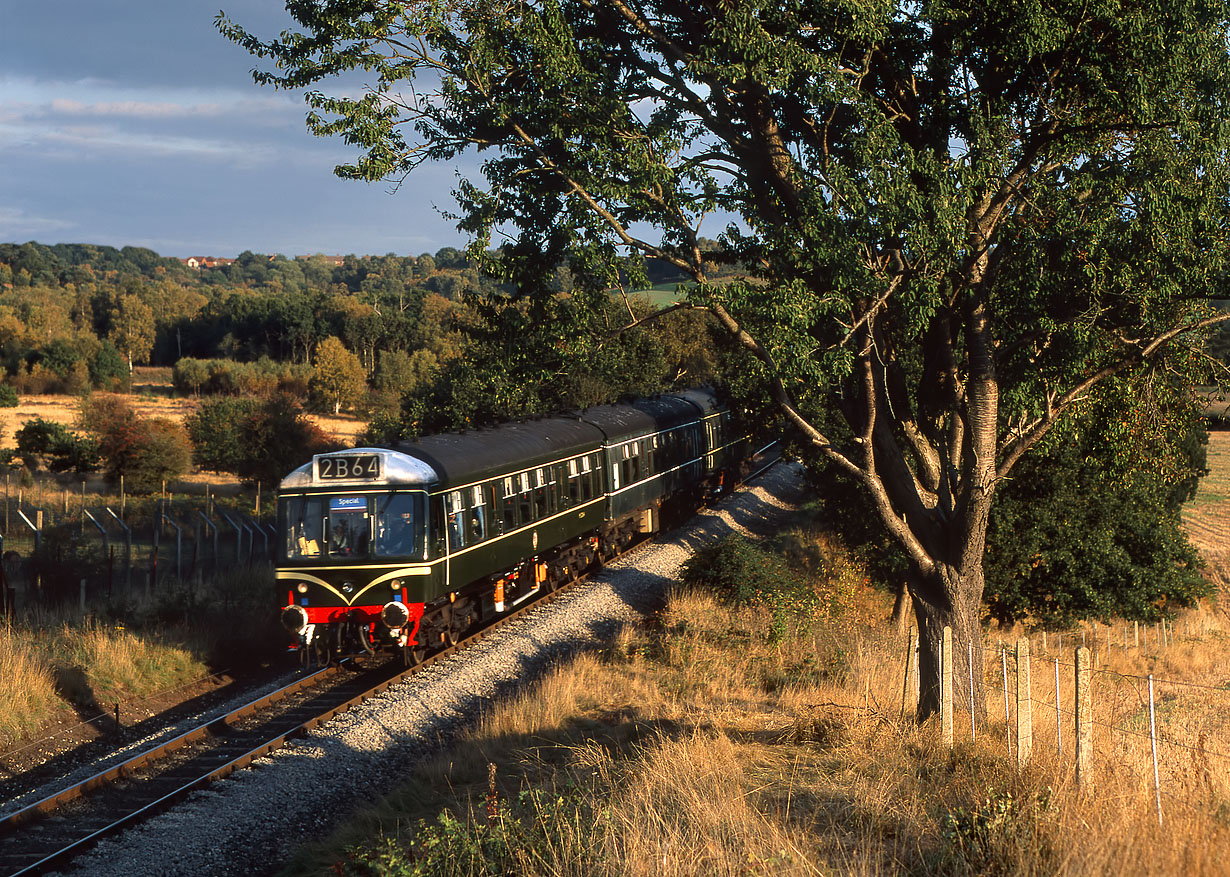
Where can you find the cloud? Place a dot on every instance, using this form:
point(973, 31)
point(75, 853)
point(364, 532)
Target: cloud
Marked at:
point(134, 109)
point(16, 224)
point(78, 120)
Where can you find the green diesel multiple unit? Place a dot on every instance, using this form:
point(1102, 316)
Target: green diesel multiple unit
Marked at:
point(409, 547)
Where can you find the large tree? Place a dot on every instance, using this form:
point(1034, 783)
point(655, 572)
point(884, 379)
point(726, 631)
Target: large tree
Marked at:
point(957, 218)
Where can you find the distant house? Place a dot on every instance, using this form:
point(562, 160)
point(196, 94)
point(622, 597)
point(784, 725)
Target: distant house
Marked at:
point(199, 262)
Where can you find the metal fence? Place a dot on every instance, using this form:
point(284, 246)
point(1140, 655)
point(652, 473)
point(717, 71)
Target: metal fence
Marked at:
point(60, 547)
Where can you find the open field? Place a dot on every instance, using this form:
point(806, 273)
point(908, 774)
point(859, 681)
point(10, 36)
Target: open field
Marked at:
point(64, 409)
point(1207, 517)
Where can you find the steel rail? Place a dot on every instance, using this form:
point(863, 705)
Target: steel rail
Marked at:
point(103, 778)
point(156, 752)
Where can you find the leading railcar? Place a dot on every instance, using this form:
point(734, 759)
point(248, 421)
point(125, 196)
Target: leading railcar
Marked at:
point(409, 547)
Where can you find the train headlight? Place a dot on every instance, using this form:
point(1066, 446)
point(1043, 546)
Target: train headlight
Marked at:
point(301, 587)
point(295, 619)
point(395, 615)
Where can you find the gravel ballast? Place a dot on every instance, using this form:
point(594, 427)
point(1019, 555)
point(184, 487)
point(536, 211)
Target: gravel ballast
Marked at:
point(253, 821)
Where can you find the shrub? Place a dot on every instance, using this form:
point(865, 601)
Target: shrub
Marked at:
point(145, 451)
point(8, 396)
point(190, 375)
point(744, 574)
point(46, 443)
point(276, 438)
point(215, 430)
point(164, 454)
point(109, 370)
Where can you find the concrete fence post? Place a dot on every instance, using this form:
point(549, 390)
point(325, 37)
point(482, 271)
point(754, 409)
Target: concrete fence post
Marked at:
point(1058, 721)
point(1084, 721)
point(910, 648)
point(1157, 783)
point(1024, 702)
point(946, 688)
point(1003, 657)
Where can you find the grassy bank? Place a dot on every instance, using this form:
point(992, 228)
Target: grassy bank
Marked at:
point(707, 743)
point(59, 670)
point(60, 667)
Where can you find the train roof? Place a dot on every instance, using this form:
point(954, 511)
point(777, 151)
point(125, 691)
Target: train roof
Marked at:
point(465, 457)
point(457, 458)
point(656, 414)
point(621, 422)
point(704, 399)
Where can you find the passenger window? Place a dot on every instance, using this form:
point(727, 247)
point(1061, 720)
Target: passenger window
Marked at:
point(454, 508)
point(525, 501)
point(574, 482)
point(509, 506)
point(478, 514)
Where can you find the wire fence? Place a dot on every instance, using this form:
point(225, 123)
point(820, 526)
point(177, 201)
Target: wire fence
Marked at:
point(1078, 694)
point(95, 547)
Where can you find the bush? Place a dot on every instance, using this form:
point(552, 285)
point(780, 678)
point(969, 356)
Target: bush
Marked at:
point(144, 451)
point(164, 455)
point(743, 574)
point(109, 370)
point(190, 376)
point(276, 438)
point(46, 443)
point(215, 430)
point(8, 396)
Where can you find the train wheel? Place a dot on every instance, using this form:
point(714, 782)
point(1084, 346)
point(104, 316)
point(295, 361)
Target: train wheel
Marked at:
point(413, 655)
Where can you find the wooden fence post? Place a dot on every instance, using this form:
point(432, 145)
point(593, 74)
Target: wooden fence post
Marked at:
point(946, 688)
point(1024, 709)
point(1084, 721)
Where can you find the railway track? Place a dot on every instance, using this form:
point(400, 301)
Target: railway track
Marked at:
point(52, 831)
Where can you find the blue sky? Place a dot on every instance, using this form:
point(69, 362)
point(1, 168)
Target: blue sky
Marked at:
point(133, 122)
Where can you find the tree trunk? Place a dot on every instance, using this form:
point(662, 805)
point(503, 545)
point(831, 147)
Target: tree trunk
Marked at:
point(950, 600)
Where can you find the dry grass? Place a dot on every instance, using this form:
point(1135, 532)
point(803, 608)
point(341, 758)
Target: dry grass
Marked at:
point(1207, 517)
point(695, 746)
point(51, 669)
point(27, 687)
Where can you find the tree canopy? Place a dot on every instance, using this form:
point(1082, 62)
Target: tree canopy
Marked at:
point(956, 220)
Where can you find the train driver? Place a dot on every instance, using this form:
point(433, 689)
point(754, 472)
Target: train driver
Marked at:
point(397, 534)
